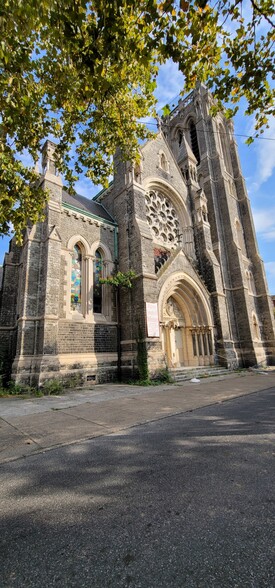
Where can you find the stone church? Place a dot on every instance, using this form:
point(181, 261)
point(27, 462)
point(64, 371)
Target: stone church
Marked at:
point(181, 220)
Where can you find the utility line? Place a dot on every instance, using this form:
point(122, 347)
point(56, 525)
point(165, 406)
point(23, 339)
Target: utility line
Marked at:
point(207, 131)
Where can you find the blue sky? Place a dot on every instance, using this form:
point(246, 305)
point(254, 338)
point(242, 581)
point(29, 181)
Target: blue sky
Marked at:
point(258, 166)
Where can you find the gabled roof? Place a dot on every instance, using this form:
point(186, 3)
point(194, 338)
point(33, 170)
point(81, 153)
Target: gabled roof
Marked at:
point(86, 205)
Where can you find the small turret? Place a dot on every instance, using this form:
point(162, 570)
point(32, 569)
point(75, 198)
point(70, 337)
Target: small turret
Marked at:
point(50, 172)
point(48, 159)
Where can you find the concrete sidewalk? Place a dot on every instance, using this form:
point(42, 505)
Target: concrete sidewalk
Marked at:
point(38, 424)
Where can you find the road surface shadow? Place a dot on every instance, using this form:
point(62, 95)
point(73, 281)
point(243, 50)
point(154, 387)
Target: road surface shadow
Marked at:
point(187, 501)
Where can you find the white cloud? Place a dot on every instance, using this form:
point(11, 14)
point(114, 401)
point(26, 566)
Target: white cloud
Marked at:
point(247, 14)
point(270, 235)
point(270, 268)
point(270, 274)
point(86, 188)
point(170, 83)
point(264, 220)
point(265, 223)
point(26, 158)
point(265, 154)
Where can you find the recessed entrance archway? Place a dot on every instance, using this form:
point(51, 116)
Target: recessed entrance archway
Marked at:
point(186, 322)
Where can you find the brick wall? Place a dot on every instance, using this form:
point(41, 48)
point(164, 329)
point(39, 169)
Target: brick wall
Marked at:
point(86, 338)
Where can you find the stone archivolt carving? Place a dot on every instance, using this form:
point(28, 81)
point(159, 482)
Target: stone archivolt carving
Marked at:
point(162, 219)
point(172, 314)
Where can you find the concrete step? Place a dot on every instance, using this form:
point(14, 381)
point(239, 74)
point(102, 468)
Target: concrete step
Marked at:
point(181, 374)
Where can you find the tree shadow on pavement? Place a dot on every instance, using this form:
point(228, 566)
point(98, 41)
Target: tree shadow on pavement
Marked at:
point(187, 501)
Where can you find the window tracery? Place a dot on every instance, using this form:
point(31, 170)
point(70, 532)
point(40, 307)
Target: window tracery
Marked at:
point(160, 257)
point(162, 219)
point(163, 162)
point(85, 265)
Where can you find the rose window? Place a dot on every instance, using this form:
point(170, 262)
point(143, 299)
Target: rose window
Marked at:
point(162, 218)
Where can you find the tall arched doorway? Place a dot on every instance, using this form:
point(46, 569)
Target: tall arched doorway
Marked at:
point(186, 323)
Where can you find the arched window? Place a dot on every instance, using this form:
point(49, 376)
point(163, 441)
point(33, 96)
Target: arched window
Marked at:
point(137, 173)
point(252, 283)
point(233, 189)
point(163, 162)
point(223, 142)
point(204, 214)
point(194, 140)
point(98, 274)
point(179, 137)
point(200, 181)
point(240, 238)
point(76, 279)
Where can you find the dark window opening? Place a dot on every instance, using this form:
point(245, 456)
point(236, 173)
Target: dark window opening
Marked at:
point(194, 141)
point(194, 345)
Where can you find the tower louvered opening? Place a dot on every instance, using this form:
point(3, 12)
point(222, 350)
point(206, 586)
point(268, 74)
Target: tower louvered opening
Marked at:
point(194, 141)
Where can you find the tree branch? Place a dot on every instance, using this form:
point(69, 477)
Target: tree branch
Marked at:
point(260, 11)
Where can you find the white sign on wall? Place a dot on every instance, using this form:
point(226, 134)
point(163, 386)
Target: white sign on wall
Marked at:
point(152, 319)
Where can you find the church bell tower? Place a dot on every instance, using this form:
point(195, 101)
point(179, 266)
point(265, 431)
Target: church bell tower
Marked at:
point(226, 246)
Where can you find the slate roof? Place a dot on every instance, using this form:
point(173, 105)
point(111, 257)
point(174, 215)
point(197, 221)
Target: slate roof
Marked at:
point(86, 205)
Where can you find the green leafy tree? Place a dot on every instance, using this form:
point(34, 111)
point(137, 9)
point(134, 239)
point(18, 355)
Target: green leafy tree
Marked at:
point(84, 71)
point(120, 279)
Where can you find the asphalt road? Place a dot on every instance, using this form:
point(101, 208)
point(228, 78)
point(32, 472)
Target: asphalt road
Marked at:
point(188, 501)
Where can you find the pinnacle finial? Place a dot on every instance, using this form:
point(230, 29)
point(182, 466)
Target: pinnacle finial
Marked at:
point(36, 168)
point(159, 122)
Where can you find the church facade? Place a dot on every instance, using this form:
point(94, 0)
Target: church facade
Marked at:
point(181, 220)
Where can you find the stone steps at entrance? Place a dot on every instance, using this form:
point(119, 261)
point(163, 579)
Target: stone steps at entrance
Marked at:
point(180, 374)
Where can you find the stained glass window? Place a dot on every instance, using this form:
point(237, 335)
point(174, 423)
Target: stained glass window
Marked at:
point(98, 274)
point(76, 279)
